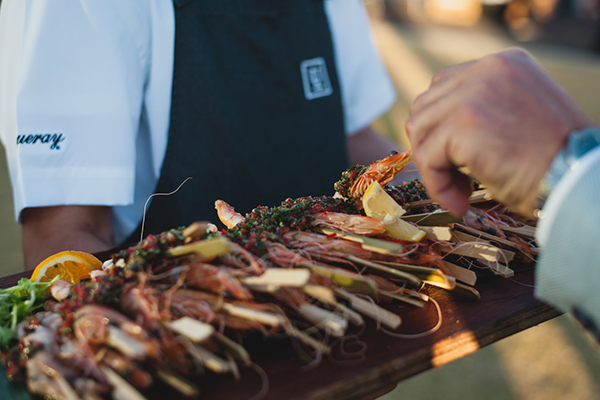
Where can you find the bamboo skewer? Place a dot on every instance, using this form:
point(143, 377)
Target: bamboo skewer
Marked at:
point(205, 249)
point(262, 317)
point(443, 233)
point(525, 231)
point(466, 291)
point(488, 236)
point(404, 299)
point(371, 310)
point(181, 385)
point(479, 196)
point(461, 274)
point(193, 329)
point(498, 268)
point(413, 280)
point(123, 390)
point(321, 293)
point(435, 218)
point(478, 249)
point(237, 351)
point(433, 276)
point(347, 279)
point(368, 243)
point(329, 321)
point(274, 278)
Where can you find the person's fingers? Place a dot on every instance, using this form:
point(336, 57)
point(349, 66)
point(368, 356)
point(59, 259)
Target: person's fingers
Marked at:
point(451, 73)
point(439, 171)
point(442, 84)
point(419, 125)
point(450, 188)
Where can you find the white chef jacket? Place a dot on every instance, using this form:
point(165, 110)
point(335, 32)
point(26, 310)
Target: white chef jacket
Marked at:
point(568, 270)
point(85, 92)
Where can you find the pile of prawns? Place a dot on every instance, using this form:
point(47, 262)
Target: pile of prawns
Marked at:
point(173, 306)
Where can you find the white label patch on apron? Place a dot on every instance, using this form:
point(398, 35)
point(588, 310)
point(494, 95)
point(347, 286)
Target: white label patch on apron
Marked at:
point(315, 78)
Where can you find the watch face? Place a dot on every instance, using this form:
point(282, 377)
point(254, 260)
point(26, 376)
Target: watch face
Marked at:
point(581, 142)
point(578, 144)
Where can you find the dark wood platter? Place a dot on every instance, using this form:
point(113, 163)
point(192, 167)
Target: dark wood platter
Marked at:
point(507, 306)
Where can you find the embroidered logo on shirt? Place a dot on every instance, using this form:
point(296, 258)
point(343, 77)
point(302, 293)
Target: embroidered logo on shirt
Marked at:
point(44, 138)
point(315, 78)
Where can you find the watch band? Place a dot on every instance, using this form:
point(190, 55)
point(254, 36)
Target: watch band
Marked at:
point(578, 144)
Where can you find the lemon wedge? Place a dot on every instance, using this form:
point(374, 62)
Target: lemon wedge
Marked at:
point(380, 205)
point(377, 202)
point(400, 229)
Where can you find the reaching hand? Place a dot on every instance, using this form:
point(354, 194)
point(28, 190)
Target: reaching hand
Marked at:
point(502, 117)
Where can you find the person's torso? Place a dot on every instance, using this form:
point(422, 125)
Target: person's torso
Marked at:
point(256, 112)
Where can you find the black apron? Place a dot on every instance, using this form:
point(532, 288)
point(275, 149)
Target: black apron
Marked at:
point(256, 113)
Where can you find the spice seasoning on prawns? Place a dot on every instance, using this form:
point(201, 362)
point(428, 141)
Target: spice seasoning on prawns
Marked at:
point(411, 192)
point(271, 223)
point(348, 178)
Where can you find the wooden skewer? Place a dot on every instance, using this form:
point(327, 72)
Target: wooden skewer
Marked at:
point(526, 231)
point(205, 249)
point(404, 299)
point(475, 247)
point(433, 276)
point(211, 361)
point(193, 329)
point(262, 317)
point(479, 196)
point(236, 350)
point(371, 310)
point(307, 339)
point(371, 244)
point(321, 293)
point(181, 385)
point(405, 276)
point(347, 279)
point(122, 389)
point(488, 236)
point(274, 278)
point(498, 268)
point(329, 321)
point(437, 232)
point(462, 274)
point(435, 218)
point(466, 291)
point(351, 315)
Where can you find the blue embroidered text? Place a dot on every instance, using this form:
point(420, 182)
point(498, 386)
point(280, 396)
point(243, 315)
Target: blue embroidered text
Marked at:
point(53, 138)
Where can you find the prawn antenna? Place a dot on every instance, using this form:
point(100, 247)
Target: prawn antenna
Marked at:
point(158, 194)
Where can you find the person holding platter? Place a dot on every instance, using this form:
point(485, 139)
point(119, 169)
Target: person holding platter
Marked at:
point(521, 135)
point(103, 103)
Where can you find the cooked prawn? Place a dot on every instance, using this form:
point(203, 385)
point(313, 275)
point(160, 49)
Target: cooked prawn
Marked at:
point(349, 223)
point(382, 171)
point(227, 214)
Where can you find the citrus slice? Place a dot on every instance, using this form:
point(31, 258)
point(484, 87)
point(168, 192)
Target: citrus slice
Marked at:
point(377, 203)
point(400, 229)
point(380, 205)
point(71, 266)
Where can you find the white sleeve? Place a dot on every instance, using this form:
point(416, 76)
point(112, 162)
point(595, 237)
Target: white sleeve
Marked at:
point(72, 77)
point(568, 270)
point(367, 91)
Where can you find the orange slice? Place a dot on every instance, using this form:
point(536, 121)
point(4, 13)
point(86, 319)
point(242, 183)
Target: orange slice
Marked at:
point(71, 266)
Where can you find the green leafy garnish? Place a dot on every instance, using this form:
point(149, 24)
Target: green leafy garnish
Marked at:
point(18, 302)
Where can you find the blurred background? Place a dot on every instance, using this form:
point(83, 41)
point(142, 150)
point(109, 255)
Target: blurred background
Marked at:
point(416, 38)
point(555, 360)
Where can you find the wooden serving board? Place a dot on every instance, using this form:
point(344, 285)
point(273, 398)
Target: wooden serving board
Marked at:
point(507, 306)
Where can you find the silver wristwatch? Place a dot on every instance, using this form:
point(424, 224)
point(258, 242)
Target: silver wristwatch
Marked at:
point(578, 144)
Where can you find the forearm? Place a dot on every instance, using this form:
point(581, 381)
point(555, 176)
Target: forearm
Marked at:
point(49, 230)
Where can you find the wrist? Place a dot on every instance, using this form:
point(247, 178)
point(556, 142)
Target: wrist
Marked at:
point(578, 144)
